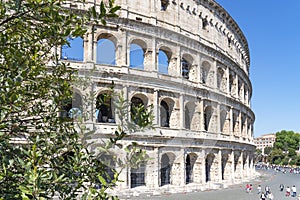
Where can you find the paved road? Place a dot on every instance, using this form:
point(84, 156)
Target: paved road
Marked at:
point(237, 192)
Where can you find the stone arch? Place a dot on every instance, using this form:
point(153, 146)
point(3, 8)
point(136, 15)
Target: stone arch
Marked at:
point(190, 161)
point(190, 118)
point(74, 50)
point(232, 84)
point(224, 166)
point(186, 65)
point(236, 124)
point(208, 115)
point(224, 121)
point(106, 49)
point(138, 174)
point(221, 80)
point(137, 53)
point(189, 111)
point(237, 166)
point(245, 161)
point(208, 165)
point(166, 108)
point(163, 59)
point(104, 107)
point(207, 76)
point(109, 165)
point(241, 90)
point(244, 125)
point(166, 163)
point(138, 103)
point(73, 107)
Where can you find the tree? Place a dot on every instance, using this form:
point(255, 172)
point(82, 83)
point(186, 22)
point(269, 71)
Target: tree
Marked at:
point(268, 150)
point(41, 152)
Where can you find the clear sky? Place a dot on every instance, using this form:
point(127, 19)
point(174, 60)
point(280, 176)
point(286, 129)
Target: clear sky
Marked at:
point(272, 29)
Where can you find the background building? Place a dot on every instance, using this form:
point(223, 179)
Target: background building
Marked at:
point(190, 60)
point(266, 140)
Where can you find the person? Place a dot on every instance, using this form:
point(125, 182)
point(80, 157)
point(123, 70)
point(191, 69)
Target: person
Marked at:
point(294, 191)
point(247, 188)
point(267, 189)
point(263, 196)
point(281, 187)
point(288, 191)
point(270, 196)
point(250, 188)
point(258, 189)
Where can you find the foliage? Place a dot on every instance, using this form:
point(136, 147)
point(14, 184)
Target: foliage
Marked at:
point(268, 150)
point(41, 153)
point(285, 148)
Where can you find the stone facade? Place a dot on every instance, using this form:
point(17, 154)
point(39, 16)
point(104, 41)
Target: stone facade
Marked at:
point(190, 60)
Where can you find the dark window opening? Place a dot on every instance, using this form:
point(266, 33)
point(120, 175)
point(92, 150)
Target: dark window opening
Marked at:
point(137, 107)
point(103, 106)
point(164, 115)
point(72, 108)
point(137, 176)
point(165, 171)
point(185, 67)
point(204, 23)
point(164, 4)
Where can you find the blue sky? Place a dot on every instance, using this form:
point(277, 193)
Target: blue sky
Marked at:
point(272, 29)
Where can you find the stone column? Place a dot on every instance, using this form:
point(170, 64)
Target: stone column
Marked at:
point(219, 131)
point(232, 174)
point(241, 164)
point(231, 131)
point(156, 108)
point(202, 167)
point(182, 167)
point(202, 115)
point(94, 48)
point(181, 111)
point(240, 124)
point(219, 168)
point(153, 175)
point(228, 81)
point(88, 45)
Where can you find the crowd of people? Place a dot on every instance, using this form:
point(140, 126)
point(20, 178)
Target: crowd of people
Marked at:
point(266, 194)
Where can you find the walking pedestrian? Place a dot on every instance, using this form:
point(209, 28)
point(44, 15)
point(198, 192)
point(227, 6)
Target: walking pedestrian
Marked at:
point(267, 189)
point(281, 187)
point(258, 189)
point(247, 188)
point(294, 191)
point(263, 196)
point(287, 191)
point(270, 196)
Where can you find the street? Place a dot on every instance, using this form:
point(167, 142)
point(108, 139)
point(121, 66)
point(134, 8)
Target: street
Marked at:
point(237, 192)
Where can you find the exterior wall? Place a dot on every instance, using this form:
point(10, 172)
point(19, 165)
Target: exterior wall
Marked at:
point(209, 136)
point(266, 140)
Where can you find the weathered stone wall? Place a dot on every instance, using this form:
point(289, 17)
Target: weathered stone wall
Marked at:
point(203, 118)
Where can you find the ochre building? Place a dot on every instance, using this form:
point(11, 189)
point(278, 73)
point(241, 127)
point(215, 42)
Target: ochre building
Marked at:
point(190, 60)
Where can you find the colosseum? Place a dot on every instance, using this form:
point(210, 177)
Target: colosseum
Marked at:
point(189, 60)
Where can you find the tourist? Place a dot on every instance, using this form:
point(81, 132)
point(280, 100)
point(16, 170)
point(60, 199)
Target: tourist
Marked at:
point(258, 189)
point(270, 196)
point(267, 190)
point(263, 196)
point(250, 188)
point(288, 191)
point(247, 188)
point(281, 187)
point(294, 191)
